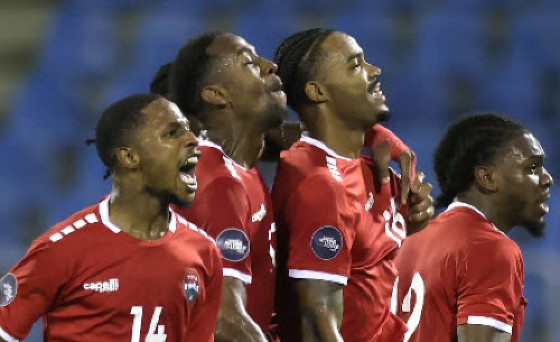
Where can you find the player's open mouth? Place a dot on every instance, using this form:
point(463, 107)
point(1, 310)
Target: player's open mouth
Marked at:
point(186, 173)
point(375, 90)
point(542, 203)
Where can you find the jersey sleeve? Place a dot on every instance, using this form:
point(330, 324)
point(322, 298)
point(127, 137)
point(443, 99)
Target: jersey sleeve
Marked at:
point(320, 237)
point(378, 133)
point(222, 210)
point(490, 285)
point(30, 289)
point(201, 326)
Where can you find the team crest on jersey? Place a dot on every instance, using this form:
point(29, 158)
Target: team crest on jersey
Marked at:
point(8, 289)
point(234, 244)
point(326, 242)
point(191, 286)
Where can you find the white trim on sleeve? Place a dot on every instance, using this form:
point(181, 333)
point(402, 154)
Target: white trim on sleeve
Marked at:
point(7, 337)
point(491, 322)
point(306, 274)
point(230, 272)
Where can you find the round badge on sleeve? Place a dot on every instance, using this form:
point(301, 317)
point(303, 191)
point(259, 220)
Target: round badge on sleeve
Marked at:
point(326, 242)
point(234, 244)
point(8, 289)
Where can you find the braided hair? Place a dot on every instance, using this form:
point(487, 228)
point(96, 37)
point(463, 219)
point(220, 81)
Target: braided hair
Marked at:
point(296, 58)
point(470, 142)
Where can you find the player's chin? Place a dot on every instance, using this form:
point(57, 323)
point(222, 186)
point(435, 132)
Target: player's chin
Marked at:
point(536, 227)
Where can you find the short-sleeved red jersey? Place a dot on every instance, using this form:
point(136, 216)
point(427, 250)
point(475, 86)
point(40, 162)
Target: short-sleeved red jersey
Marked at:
point(459, 270)
point(233, 205)
point(336, 224)
point(92, 282)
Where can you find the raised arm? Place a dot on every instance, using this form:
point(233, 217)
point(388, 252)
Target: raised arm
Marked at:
point(321, 305)
point(234, 323)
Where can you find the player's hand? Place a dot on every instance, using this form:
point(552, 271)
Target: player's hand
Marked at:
point(421, 207)
point(406, 160)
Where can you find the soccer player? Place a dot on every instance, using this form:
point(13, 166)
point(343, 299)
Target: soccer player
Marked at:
point(339, 227)
point(127, 268)
point(221, 80)
point(461, 278)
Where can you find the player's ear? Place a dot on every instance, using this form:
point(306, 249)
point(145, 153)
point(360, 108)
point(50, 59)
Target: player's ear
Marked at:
point(215, 94)
point(485, 178)
point(316, 92)
point(127, 157)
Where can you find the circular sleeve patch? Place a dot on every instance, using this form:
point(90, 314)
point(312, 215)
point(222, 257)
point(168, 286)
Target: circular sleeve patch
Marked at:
point(234, 244)
point(8, 289)
point(326, 242)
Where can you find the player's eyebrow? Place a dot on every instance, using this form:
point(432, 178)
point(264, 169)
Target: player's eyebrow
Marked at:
point(245, 49)
point(354, 56)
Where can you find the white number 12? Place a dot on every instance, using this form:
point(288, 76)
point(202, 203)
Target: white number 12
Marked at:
point(417, 285)
point(152, 336)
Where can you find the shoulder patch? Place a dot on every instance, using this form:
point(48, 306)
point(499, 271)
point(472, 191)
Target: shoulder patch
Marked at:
point(8, 289)
point(326, 242)
point(234, 244)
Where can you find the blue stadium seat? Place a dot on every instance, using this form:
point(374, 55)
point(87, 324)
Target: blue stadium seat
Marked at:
point(161, 36)
point(511, 91)
point(81, 44)
point(450, 42)
point(265, 28)
point(373, 33)
point(536, 35)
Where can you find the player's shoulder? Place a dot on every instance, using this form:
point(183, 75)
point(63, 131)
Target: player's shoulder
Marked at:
point(73, 228)
point(302, 156)
point(192, 232)
point(215, 165)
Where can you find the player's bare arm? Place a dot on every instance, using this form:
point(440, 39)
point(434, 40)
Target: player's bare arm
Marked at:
point(234, 323)
point(321, 306)
point(481, 333)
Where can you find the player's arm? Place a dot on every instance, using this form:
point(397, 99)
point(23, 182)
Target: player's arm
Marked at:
point(30, 288)
point(234, 323)
point(321, 305)
point(481, 333)
point(223, 211)
point(490, 287)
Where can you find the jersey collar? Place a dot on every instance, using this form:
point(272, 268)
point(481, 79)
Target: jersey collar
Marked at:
point(322, 146)
point(104, 213)
point(204, 142)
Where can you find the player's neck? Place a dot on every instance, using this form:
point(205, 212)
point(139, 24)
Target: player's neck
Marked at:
point(487, 205)
point(242, 144)
point(140, 215)
point(345, 141)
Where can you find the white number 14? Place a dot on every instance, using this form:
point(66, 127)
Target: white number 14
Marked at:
point(152, 335)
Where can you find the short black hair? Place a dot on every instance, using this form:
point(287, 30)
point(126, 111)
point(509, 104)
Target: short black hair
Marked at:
point(472, 141)
point(297, 58)
point(160, 82)
point(117, 122)
point(187, 73)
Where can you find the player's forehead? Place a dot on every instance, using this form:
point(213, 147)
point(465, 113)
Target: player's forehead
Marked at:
point(524, 147)
point(163, 112)
point(339, 47)
point(230, 45)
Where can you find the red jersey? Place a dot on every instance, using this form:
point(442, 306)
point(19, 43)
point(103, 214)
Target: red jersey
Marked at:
point(336, 224)
point(233, 205)
point(92, 282)
point(459, 270)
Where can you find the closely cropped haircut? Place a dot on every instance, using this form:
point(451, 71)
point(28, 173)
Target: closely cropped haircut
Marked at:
point(470, 142)
point(187, 73)
point(116, 123)
point(297, 58)
point(160, 82)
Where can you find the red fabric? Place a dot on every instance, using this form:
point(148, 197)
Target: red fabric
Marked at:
point(62, 280)
point(468, 268)
point(315, 189)
point(230, 196)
